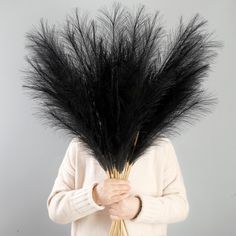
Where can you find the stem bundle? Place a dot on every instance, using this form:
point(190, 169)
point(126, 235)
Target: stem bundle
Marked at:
point(118, 227)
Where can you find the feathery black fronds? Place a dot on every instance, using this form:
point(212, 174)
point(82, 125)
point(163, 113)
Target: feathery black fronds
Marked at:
point(109, 79)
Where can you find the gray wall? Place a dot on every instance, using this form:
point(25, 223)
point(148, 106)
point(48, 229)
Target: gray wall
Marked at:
point(31, 153)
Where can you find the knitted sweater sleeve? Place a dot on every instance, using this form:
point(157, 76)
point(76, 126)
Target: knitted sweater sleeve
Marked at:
point(173, 205)
point(66, 204)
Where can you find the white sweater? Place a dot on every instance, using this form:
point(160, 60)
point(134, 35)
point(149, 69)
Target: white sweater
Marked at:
point(156, 177)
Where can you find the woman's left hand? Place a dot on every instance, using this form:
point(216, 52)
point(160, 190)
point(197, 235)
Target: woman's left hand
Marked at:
point(125, 209)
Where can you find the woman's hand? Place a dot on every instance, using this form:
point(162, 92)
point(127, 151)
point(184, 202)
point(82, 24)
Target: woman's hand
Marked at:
point(125, 209)
point(110, 191)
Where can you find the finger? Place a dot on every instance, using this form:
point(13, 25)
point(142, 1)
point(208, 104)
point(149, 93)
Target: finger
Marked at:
point(119, 192)
point(117, 198)
point(115, 217)
point(113, 212)
point(121, 196)
point(122, 187)
point(114, 206)
point(119, 181)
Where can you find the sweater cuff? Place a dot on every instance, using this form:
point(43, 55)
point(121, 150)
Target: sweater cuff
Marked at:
point(148, 211)
point(82, 201)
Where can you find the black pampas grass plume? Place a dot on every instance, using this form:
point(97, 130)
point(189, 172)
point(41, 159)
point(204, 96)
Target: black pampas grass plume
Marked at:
point(120, 80)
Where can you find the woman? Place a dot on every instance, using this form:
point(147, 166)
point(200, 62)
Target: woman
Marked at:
point(153, 197)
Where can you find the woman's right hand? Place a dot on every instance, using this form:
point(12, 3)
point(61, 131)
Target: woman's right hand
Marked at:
point(110, 191)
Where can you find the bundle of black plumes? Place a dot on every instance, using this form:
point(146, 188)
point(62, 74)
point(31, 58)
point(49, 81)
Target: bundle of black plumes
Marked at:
point(120, 82)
